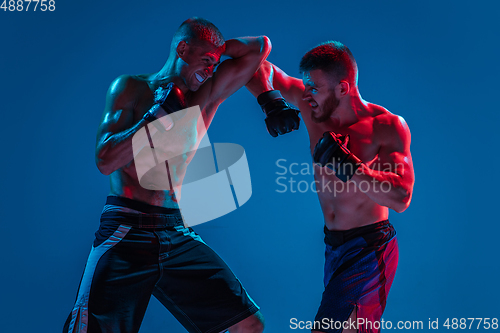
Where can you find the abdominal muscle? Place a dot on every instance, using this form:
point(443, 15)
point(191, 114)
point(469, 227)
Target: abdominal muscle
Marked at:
point(344, 205)
point(124, 183)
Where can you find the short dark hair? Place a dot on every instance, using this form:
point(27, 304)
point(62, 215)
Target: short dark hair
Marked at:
point(198, 29)
point(334, 58)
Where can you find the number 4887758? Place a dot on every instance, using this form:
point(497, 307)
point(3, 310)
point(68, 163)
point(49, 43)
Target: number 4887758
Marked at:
point(25, 5)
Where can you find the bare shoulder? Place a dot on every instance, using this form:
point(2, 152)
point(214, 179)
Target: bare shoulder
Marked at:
point(125, 89)
point(390, 128)
point(126, 94)
point(122, 97)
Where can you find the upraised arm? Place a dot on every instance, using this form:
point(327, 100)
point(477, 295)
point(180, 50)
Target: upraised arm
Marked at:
point(271, 77)
point(247, 54)
point(270, 84)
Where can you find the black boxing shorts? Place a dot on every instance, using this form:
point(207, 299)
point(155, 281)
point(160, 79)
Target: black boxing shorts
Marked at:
point(144, 250)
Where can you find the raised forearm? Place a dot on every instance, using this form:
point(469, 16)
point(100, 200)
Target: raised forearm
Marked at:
point(246, 55)
point(271, 77)
point(245, 46)
point(262, 80)
point(281, 117)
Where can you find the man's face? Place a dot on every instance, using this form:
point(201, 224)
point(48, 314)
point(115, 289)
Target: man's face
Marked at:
point(201, 58)
point(319, 92)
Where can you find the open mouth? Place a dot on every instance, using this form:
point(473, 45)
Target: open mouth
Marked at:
point(313, 104)
point(199, 77)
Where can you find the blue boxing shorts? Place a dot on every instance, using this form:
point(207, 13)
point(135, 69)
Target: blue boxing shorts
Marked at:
point(360, 265)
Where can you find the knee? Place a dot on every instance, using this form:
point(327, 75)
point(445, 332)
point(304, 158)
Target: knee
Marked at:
point(255, 323)
point(258, 326)
point(252, 324)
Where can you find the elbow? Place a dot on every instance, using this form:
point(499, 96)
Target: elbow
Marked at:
point(399, 208)
point(403, 201)
point(103, 167)
point(265, 46)
point(102, 163)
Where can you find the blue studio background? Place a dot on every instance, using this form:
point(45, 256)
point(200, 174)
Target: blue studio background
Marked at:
point(433, 62)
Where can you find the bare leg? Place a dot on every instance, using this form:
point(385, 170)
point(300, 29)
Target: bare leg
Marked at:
point(352, 318)
point(252, 324)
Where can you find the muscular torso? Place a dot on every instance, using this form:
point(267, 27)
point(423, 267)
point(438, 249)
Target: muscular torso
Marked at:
point(124, 181)
point(344, 205)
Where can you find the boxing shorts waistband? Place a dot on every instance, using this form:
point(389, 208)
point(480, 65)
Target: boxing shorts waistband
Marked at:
point(381, 231)
point(149, 217)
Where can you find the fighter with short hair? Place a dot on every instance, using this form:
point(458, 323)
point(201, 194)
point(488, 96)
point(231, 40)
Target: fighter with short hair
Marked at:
point(142, 246)
point(363, 167)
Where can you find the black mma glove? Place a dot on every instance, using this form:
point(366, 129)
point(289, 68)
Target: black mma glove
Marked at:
point(331, 151)
point(281, 117)
point(167, 100)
